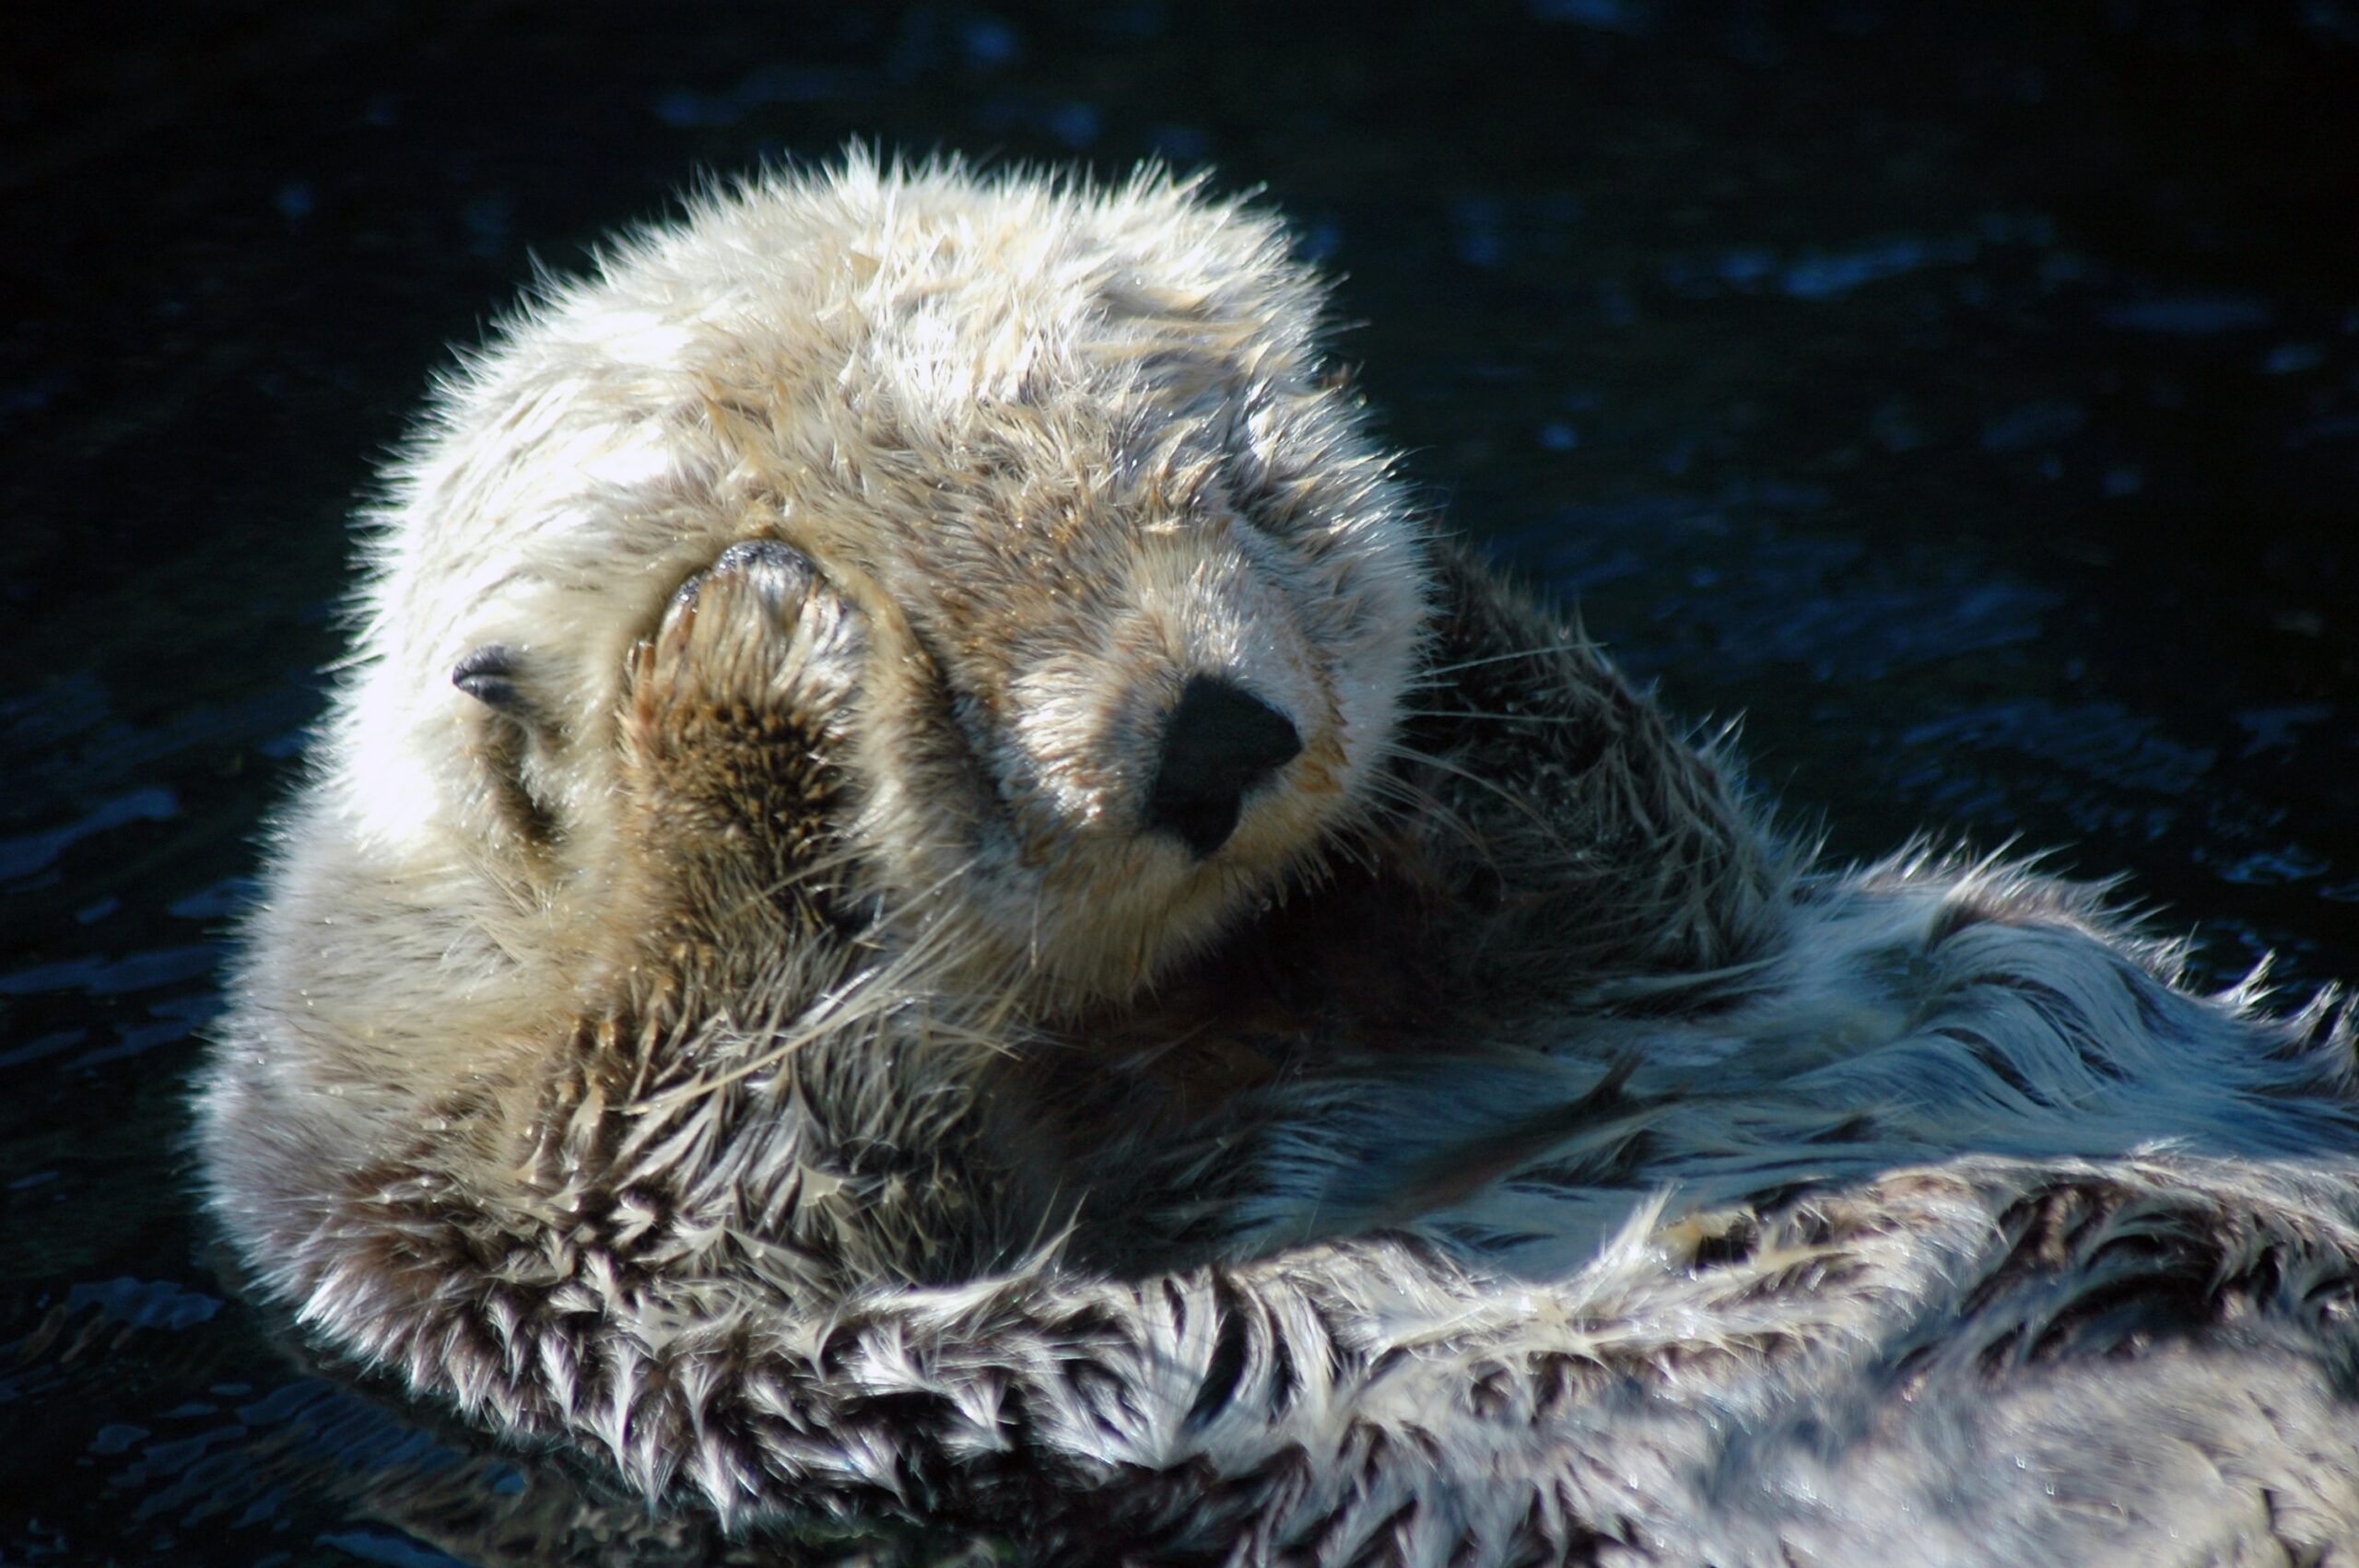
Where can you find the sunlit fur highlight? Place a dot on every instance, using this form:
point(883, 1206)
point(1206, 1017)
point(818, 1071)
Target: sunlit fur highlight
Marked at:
point(767, 1054)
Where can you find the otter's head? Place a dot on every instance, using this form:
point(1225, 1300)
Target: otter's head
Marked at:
point(1147, 598)
point(1140, 598)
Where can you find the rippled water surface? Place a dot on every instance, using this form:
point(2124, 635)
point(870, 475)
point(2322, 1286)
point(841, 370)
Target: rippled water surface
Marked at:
point(1968, 396)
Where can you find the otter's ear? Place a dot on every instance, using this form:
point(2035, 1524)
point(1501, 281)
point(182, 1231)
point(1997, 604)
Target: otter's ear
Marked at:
point(493, 675)
point(488, 675)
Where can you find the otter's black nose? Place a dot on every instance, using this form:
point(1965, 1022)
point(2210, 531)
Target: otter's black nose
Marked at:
point(1221, 742)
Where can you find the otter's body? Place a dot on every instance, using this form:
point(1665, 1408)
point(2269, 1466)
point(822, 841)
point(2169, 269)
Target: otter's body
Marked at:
point(929, 896)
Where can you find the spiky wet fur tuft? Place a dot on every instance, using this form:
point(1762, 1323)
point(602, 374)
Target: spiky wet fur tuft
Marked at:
point(743, 1029)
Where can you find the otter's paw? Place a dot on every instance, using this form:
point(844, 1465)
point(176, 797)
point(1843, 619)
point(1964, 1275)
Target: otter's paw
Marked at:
point(734, 711)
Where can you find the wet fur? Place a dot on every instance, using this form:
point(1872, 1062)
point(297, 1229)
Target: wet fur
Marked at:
point(719, 1034)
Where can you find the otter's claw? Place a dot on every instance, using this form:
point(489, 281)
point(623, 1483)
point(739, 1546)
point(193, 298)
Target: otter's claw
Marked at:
point(758, 630)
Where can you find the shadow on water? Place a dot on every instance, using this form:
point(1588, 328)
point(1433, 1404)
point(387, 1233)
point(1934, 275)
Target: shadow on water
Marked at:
point(1968, 396)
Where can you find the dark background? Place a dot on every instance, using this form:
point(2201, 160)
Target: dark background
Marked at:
point(1966, 395)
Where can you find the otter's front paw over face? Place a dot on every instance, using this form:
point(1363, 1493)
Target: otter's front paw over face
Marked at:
point(732, 714)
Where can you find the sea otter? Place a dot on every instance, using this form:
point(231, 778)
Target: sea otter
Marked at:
point(931, 893)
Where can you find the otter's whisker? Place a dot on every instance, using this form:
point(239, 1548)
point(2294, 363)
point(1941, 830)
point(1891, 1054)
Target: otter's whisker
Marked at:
point(1498, 718)
point(1437, 675)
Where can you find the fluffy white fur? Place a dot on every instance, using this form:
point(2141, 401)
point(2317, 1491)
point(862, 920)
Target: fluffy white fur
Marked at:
point(1718, 1210)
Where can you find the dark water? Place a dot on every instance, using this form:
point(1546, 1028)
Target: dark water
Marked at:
point(1969, 396)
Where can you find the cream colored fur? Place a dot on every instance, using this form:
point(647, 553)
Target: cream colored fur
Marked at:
point(1583, 1175)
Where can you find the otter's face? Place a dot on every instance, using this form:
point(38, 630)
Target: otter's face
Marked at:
point(1115, 702)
